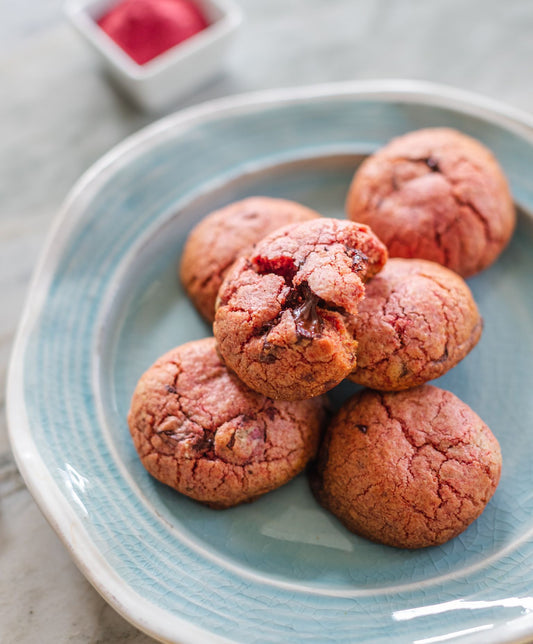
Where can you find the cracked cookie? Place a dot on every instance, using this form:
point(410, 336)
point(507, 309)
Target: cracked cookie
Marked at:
point(200, 430)
point(286, 312)
point(409, 469)
point(222, 236)
point(417, 320)
point(435, 194)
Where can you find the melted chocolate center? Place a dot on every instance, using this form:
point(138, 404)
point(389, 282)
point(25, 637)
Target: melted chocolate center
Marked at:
point(304, 311)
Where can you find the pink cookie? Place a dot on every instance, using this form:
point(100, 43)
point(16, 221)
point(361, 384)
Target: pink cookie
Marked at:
point(407, 469)
point(200, 430)
point(417, 320)
point(435, 194)
point(286, 312)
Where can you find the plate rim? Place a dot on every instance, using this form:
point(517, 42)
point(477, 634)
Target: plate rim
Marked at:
point(133, 607)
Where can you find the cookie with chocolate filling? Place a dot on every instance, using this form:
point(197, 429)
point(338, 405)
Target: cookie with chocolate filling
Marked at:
point(286, 312)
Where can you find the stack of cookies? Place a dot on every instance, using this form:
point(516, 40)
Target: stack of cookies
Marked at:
point(299, 303)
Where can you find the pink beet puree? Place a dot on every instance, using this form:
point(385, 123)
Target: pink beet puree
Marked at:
point(146, 28)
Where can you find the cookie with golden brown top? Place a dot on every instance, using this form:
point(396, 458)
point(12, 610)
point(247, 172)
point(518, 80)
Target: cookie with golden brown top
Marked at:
point(435, 194)
point(408, 469)
point(286, 312)
point(417, 320)
point(200, 430)
point(226, 234)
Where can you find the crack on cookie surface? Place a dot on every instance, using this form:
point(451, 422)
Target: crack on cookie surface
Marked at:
point(282, 265)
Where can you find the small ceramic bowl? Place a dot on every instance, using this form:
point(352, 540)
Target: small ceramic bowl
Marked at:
point(171, 75)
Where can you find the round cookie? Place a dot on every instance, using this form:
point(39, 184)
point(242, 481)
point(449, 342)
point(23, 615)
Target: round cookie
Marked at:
point(200, 430)
point(409, 469)
point(435, 194)
point(285, 313)
point(218, 239)
point(417, 320)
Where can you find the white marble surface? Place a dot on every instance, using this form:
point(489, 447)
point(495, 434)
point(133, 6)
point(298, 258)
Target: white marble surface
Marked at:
point(58, 115)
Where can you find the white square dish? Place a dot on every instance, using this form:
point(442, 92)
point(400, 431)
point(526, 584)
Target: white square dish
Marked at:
point(171, 75)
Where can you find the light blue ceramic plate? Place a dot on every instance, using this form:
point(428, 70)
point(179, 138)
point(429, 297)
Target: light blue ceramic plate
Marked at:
point(105, 302)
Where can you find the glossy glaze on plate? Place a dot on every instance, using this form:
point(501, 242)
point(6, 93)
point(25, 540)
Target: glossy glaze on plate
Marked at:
point(105, 302)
